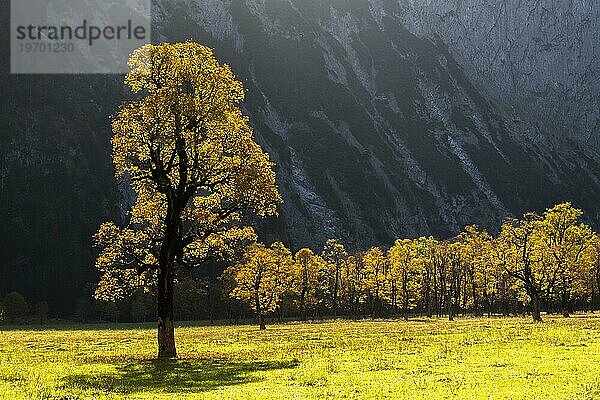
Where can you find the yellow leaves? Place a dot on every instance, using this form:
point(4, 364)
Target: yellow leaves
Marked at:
point(221, 245)
point(192, 100)
point(563, 214)
point(334, 255)
point(568, 244)
point(263, 277)
point(408, 262)
point(306, 268)
point(375, 259)
point(107, 232)
point(154, 67)
point(549, 254)
point(118, 284)
point(471, 271)
point(189, 155)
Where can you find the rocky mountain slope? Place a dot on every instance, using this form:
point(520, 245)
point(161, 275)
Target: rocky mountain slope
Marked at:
point(378, 132)
point(379, 127)
point(542, 57)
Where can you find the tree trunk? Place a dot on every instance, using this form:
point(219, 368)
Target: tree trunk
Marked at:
point(535, 307)
point(166, 328)
point(166, 278)
point(565, 305)
point(261, 319)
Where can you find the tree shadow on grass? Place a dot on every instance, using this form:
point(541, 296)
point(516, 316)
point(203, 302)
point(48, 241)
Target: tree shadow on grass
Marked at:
point(176, 376)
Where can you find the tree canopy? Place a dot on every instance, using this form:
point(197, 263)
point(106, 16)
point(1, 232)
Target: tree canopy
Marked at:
point(548, 261)
point(188, 153)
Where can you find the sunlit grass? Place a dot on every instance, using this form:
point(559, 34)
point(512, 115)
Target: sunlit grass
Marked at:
point(429, 359)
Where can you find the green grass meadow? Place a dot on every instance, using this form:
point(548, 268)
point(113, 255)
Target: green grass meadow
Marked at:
point(498, 358)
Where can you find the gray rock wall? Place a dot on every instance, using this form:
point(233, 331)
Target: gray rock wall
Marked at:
point(540, 56)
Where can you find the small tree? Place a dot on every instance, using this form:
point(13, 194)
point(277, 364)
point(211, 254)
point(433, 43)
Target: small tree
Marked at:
point(568, 244)
point(353, 277)
point(477, 266)
point(493, 280)
point(376, 282)
point(262, 278)
point(525, 259)
point(407, 263)
point(189, 155)
point(306, 269)
point(454, 275)
point(15, 306)
point(439, 260)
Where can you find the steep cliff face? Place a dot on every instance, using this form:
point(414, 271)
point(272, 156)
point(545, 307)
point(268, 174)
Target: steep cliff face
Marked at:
point(377, 132)
point(379, 125)
point(542, 57)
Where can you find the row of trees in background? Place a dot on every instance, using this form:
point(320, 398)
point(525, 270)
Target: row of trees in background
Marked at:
point(537, 263)
point(550, 261)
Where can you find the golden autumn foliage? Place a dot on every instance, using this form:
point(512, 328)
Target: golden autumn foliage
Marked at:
point(189, 155)
point(262, 278)
point(408, 259)
point(185, 141)
point(547, 254)
point(305, 272)
point(376, 282)
point(334, 254)
point(568, 245)
point(548, 261)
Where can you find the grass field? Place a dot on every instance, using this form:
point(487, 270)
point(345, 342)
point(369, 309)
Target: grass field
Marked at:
point(429, 359)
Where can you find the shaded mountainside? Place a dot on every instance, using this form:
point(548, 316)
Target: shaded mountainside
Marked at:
point(56, 183)
point(543, 57)
point(377, 134)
